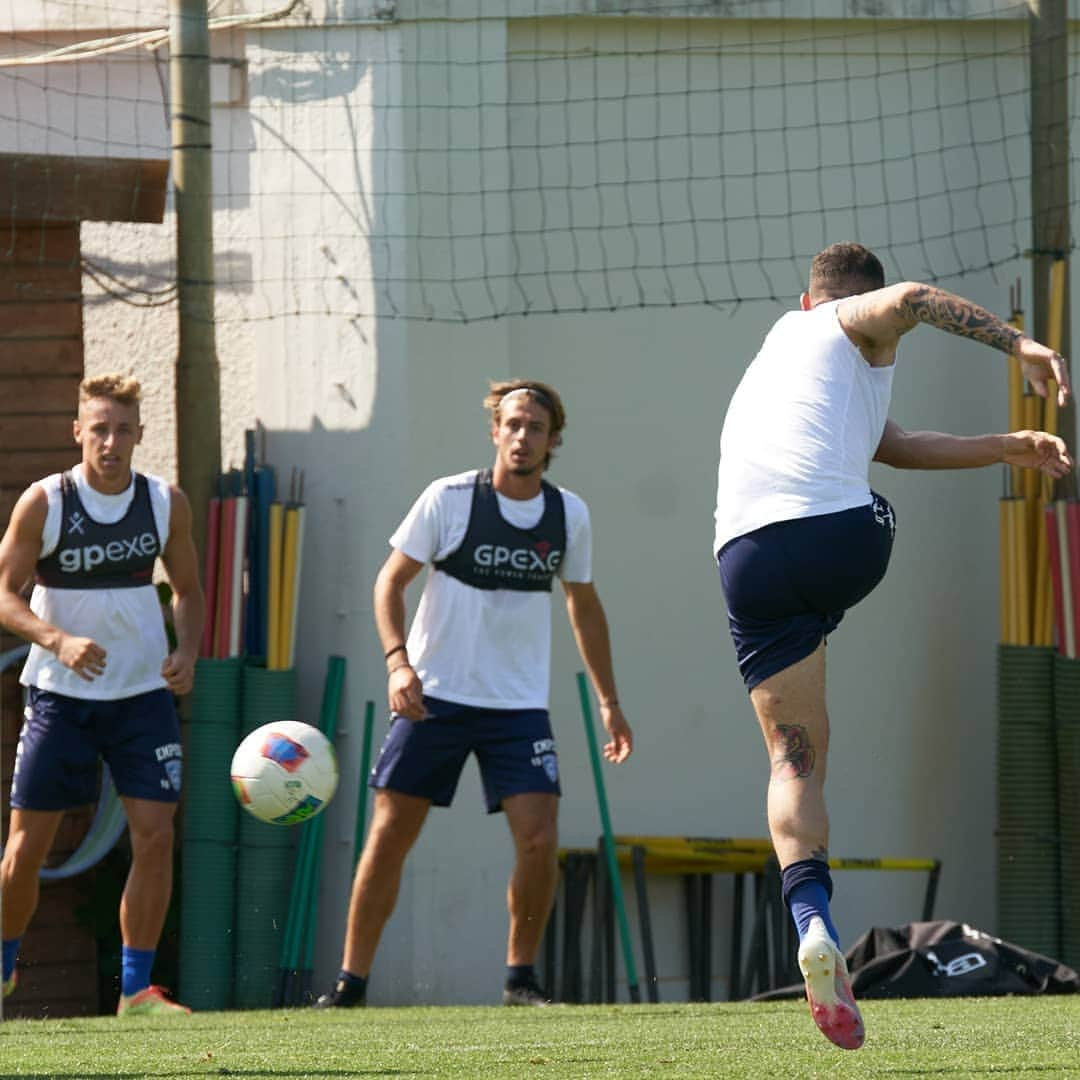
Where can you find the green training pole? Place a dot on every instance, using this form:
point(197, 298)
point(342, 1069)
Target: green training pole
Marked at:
point(303, 898)
point(365, 768)
point(328, 720)
point(609, 843)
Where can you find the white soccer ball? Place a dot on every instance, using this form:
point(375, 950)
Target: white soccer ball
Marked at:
point(284, 772)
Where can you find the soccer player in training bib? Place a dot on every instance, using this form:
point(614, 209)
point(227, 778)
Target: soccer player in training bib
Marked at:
point(800, 537)
point(100, 676)
point(473, 674)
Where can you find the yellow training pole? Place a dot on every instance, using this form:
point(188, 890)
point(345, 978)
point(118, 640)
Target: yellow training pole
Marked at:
point(1068, 646)
point(298, 561)
point(1023, 561)
point(1016, 391)
point(1004, 561)
point(1057, 304)
point(1039, 635)
point(273, 606)
point(1053, 338)
point(288, 584)
point(1042, 631)
point(1016, 415)
point(1010, 582)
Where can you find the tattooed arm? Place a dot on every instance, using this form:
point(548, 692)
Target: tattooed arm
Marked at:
point(876, 320)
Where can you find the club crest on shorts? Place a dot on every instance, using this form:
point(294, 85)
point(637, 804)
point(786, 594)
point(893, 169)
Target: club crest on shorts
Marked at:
point(544, 757)
point(883, 514)
point(174, 770)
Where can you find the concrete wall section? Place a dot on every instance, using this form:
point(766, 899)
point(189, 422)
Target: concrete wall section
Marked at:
point(358, 158)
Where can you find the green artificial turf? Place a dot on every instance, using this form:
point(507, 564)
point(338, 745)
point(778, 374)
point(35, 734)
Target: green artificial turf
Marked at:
point(999, 1037)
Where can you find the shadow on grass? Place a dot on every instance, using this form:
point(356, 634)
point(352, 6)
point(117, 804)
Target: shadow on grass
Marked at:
point(210, 1070)
point(966, 1070)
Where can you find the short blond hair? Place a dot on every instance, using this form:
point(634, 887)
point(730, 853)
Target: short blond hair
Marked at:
point(116, 387)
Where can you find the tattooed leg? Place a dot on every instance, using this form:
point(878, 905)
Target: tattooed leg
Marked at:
point(794, 722)
point(793, 753)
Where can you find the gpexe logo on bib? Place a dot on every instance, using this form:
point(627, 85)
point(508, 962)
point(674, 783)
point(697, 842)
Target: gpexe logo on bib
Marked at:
point(74, 560)
point(541, 558)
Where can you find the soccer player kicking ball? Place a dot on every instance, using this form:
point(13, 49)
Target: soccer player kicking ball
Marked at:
point(100, 675)
point(473, 676)
point(800, 537)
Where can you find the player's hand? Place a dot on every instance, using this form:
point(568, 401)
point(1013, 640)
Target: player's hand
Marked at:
point(83, 655)
point(178, 671)
point(406, 693)
point(1038, 450)
point(1038, 364)
point(622, 738)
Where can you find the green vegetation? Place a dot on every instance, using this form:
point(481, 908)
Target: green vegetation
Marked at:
point(999, 1037)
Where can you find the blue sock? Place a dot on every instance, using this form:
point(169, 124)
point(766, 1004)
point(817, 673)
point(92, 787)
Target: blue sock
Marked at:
point(135, 965)
point(11, 952)
point(519, 974)
point(807, 890)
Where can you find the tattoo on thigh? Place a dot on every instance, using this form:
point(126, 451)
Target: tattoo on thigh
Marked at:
point(793, 755)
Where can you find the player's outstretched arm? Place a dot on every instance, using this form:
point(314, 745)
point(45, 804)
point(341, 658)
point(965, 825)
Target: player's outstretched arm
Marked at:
point(590, 628)
point(937, 450)
point(876, 320)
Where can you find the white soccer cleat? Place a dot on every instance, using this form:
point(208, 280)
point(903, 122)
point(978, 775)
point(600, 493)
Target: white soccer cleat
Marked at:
point(828, 988)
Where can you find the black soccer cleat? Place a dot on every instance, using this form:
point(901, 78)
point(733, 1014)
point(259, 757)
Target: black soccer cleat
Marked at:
point(526, 993)
point(343, 996)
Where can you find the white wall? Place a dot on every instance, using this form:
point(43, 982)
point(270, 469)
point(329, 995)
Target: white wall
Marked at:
point(322, 155)
point(912, 670)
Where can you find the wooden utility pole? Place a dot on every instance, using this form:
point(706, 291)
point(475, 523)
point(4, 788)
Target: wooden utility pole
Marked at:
point(198, 379)
point(1050, 227)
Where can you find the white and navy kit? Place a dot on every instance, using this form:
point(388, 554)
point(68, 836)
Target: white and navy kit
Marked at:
point(481, 639)
point(799, 535)
point(94, 580)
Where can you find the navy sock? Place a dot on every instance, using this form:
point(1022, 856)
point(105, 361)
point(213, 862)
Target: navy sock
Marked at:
point(353, 982)
point(135, 965)
point(11, 952)
point(807, 888)
point(520, 974)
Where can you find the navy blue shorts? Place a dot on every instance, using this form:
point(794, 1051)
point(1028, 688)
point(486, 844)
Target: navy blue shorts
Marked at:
point(63, 738)
point(788, 584)
point(514, 749)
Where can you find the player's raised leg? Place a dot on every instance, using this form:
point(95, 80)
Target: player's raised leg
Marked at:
point(790, 706)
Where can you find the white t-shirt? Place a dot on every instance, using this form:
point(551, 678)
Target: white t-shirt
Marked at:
point(802, 427)
point(485, 647)
point(126, 623)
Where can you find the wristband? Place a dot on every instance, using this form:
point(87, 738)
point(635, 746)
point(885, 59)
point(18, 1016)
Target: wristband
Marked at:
point(609, 703)
point(397, 667)
point(396, 648)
